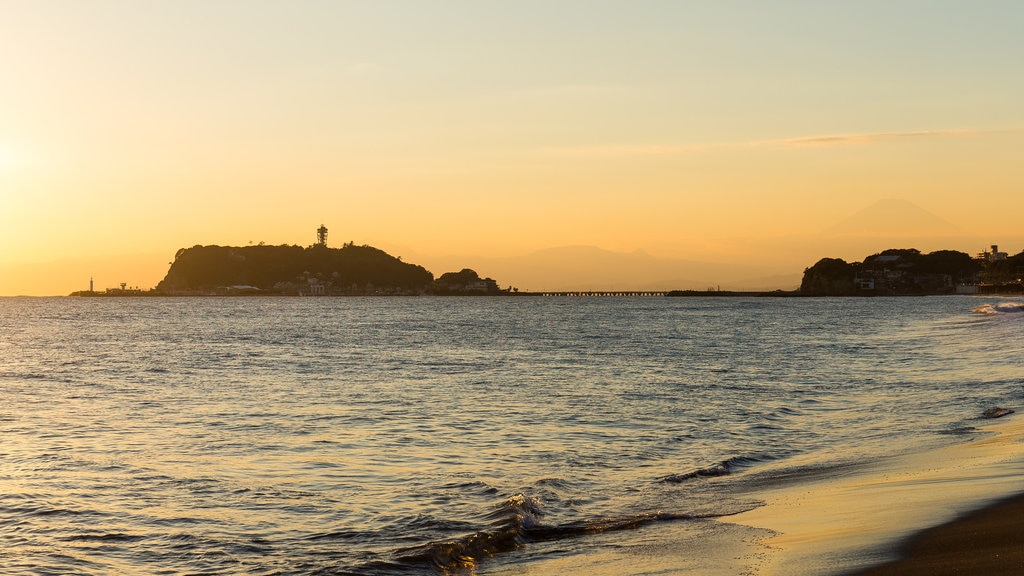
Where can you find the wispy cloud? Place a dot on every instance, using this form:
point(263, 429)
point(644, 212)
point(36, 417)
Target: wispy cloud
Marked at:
point(824, 140)
point(864, 138)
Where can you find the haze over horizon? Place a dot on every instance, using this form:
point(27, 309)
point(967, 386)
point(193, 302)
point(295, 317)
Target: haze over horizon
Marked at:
point(762, 264)
point(483, 133)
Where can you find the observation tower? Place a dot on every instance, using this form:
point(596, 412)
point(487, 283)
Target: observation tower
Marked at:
point(321, 236)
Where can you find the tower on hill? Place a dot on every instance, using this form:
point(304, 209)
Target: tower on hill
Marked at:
point(321, 236)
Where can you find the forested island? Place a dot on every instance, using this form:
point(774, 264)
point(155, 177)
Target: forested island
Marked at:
point(292, 270)
point(297, 271)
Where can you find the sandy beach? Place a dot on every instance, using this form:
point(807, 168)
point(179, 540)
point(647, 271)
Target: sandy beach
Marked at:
point(987, 541)
point(952, 510)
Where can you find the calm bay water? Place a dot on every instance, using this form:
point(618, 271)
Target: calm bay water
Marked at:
point(419, 435)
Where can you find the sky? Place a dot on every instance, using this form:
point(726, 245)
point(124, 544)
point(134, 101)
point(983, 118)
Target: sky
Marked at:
point(684, 129)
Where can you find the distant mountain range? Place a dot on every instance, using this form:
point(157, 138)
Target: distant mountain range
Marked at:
point(762, 264)
point(591, 268)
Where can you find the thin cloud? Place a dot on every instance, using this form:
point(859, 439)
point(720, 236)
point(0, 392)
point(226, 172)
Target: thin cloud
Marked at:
point(799, 142)
point(865, 138)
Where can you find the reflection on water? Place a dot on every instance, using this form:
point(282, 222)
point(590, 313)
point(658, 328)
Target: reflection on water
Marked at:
point(304, 436)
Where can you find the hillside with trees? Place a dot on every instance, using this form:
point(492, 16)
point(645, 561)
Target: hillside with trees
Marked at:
point(907, 272)
point(292, 270)
point(465, 282)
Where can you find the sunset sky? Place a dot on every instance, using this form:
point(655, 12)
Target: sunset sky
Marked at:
point(130, 129)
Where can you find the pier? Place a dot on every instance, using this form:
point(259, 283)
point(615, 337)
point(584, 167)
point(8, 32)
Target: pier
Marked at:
point(677, 293)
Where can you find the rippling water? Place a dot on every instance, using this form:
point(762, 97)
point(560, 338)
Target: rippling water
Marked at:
point(410, 435)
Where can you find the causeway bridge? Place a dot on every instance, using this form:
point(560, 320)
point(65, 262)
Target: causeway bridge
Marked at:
point(594, 293)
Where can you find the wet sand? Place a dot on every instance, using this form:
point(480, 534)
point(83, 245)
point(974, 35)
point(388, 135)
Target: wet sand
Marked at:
point(858, 519)
point(988, 541)
point(949, 510)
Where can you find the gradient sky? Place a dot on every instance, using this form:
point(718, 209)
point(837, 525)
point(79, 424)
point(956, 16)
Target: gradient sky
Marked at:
point(498, 128)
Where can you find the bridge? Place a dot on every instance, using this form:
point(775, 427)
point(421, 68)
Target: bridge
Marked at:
point(593, 293)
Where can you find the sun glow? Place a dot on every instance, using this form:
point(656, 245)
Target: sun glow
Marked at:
point(13, 158)
point(6, 156)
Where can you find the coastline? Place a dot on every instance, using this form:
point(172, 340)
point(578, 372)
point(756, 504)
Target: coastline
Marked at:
point(986, 541)
point(896, 517)
point(507, 294)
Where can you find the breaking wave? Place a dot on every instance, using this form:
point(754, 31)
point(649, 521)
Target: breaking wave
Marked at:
point(1001, 308)
point(517, 522)
point(723, 468)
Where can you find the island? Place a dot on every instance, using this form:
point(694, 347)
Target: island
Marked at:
point(291, 270)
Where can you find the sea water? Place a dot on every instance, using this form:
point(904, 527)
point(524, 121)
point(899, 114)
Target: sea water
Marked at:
point(456, 435)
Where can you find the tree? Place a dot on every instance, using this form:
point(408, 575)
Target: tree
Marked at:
point(205, 268)
point(829, 277)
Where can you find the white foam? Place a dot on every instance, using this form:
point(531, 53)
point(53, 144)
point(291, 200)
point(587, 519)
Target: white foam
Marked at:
point(1001, 308)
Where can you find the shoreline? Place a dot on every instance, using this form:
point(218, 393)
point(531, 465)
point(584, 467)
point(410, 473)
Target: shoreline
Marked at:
point(867, 522)
point(986, 541)
point(540, 294)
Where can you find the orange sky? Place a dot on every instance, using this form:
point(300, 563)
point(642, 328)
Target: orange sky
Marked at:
point(464, 128)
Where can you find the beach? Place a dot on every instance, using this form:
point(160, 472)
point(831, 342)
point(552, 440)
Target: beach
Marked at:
point(987, 541)
point(953, 510)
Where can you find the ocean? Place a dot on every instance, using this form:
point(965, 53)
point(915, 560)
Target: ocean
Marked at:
point(424, 435)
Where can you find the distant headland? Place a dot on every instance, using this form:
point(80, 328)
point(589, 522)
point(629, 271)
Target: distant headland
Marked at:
point(907, 272)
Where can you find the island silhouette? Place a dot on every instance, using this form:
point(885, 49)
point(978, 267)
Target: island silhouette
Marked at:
point(318, 270)
point(906, 271)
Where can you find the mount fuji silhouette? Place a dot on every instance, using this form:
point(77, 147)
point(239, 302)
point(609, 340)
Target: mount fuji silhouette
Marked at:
point(893, 218)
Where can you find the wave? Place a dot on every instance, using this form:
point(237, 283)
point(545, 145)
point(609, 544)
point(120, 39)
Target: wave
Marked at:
point(102, 537)
point(1001, 308)
point(517, 522)
point(509, 522)
point(723, 468)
